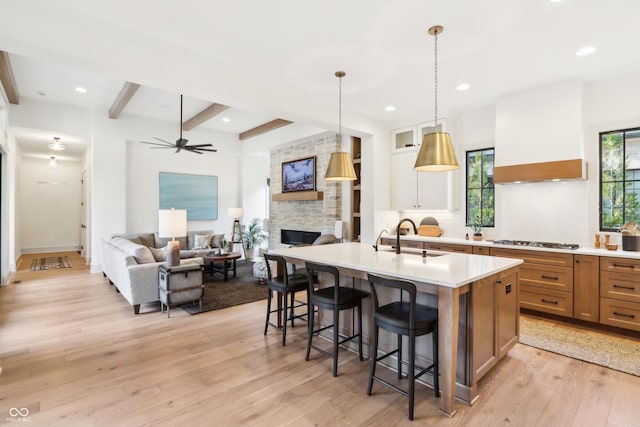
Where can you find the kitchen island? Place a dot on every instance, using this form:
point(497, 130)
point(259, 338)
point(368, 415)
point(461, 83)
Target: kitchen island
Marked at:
point(476, 296)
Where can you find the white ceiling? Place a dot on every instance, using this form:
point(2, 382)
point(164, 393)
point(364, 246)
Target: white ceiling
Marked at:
point(276, 59)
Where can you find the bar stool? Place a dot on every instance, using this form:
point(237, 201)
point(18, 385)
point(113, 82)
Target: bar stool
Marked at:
point(403, 318)
point(336, 298)
point(287, 285)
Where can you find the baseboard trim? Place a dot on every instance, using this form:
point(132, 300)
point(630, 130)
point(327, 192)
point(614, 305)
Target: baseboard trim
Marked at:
point(72, 248)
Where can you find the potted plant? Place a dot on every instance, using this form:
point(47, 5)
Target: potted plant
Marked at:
point(253, 235)
point(476, 225)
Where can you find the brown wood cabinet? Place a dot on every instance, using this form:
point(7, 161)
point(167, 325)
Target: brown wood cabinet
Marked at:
point(495, 317)
point(620, 292)
point(586, 295)
point(448, 247)
point(546, 280)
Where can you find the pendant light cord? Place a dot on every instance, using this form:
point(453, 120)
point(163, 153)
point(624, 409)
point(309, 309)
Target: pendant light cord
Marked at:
point(340, 110)
point(436, 80)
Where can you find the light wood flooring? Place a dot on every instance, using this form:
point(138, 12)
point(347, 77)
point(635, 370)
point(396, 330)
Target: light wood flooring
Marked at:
point(73, 353)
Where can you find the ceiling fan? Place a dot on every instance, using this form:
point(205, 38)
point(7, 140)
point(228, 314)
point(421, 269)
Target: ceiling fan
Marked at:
point(181, 143)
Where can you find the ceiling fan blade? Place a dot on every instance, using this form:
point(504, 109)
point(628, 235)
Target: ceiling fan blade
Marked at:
point(155, 143)
point(212, 150)
point(166, 142)
point(192, 150)
point(162, 147)
point(201, 145)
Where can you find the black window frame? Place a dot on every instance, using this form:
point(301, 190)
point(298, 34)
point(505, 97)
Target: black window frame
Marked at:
point(491, 187)
point(623, 181)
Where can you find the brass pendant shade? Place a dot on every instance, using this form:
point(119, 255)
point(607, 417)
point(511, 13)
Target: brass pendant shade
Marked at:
point(436, 154)
point(340, 168)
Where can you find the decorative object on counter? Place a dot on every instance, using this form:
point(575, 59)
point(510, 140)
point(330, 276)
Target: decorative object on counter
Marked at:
point(607, 238)
point(612, 247)
point(630, 243)
point(476, 225)
point(436, 152)
point(340, 165)
point(429, 227)
point(597, 242)
point(403, 230)
point(466, 236)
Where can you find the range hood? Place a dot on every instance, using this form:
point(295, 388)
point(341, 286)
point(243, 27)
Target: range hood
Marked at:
point(545, 171)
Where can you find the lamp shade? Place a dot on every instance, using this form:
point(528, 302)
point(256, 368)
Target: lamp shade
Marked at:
point(436, 154)
point(172, 223)
point(236, 213)
point(340, 167)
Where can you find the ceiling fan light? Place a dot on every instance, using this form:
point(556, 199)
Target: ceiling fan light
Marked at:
point(56, 144)
point(436, 154)
point(340, 168)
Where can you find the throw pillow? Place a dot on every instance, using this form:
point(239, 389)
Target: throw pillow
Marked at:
point(216, 240)
point(200, 241)
point(159, 253)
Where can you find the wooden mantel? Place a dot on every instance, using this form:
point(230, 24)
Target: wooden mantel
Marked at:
point(298, 195)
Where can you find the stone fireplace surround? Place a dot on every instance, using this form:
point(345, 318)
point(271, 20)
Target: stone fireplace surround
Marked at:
point(306, 215)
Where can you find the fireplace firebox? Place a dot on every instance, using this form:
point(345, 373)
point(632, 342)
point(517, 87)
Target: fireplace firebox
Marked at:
point(298, 237)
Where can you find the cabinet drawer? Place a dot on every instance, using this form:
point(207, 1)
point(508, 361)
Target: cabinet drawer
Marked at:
point(411, 244)
point(536, 257)
point(387, 241)
point(481, 250)
point(620, 286)
point(463, 249)
point(546, 300)
point(548, 277)
point(620, 313)
point(620, 265)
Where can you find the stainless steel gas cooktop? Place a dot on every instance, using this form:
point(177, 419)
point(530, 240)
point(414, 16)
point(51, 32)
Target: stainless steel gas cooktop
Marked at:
point(550, 245)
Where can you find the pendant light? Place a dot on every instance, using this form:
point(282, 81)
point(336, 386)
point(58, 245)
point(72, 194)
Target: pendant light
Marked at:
point(436, 152)
point(340, 166)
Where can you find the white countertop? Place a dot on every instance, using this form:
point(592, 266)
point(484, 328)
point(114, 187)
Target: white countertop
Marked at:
point(450, 269)
point(585, 250)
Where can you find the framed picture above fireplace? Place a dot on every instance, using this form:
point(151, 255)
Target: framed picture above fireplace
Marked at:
point(299, 175)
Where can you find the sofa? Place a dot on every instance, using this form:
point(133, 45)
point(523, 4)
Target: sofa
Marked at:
point(130, 261)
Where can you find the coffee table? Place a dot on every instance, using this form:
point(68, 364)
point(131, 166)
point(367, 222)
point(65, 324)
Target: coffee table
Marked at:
point(225, 263)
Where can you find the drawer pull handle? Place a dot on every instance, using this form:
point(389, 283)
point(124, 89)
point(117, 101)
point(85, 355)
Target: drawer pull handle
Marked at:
point(549, 302)
point(550, 277)
point(630, 316)
point(631, 288)
point(623, 266)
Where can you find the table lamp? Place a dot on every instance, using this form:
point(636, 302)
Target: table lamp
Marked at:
point(172, 223)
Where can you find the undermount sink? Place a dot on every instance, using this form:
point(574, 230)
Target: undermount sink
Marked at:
point(409, 251)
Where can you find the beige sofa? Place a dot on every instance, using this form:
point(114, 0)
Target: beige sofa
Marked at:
point(131, 261)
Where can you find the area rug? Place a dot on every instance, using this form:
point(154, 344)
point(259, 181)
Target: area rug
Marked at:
point(611, 351)
point(50, 263)
point(242, 289)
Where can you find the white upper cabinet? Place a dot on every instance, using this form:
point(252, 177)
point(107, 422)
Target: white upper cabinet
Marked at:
point(418, 190)
point(404, 139)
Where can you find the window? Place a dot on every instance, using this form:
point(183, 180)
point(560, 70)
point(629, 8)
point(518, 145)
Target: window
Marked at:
point(479, 189)
point(619, 178)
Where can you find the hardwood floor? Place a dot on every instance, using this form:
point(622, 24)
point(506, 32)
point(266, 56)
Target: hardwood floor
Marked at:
point(73, 353)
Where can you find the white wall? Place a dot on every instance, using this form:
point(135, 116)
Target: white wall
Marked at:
point(49, 200)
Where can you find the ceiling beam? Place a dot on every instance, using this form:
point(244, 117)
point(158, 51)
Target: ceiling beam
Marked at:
point(126, 93)
point(267, 127)
point(204, 115)
point(7, 79)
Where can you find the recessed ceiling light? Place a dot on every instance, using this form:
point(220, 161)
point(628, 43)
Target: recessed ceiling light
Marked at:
point(462, 86)
point(555, 1)
point(587, 50)
point(81, 89)
point(226, 119)
point(389, 108)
